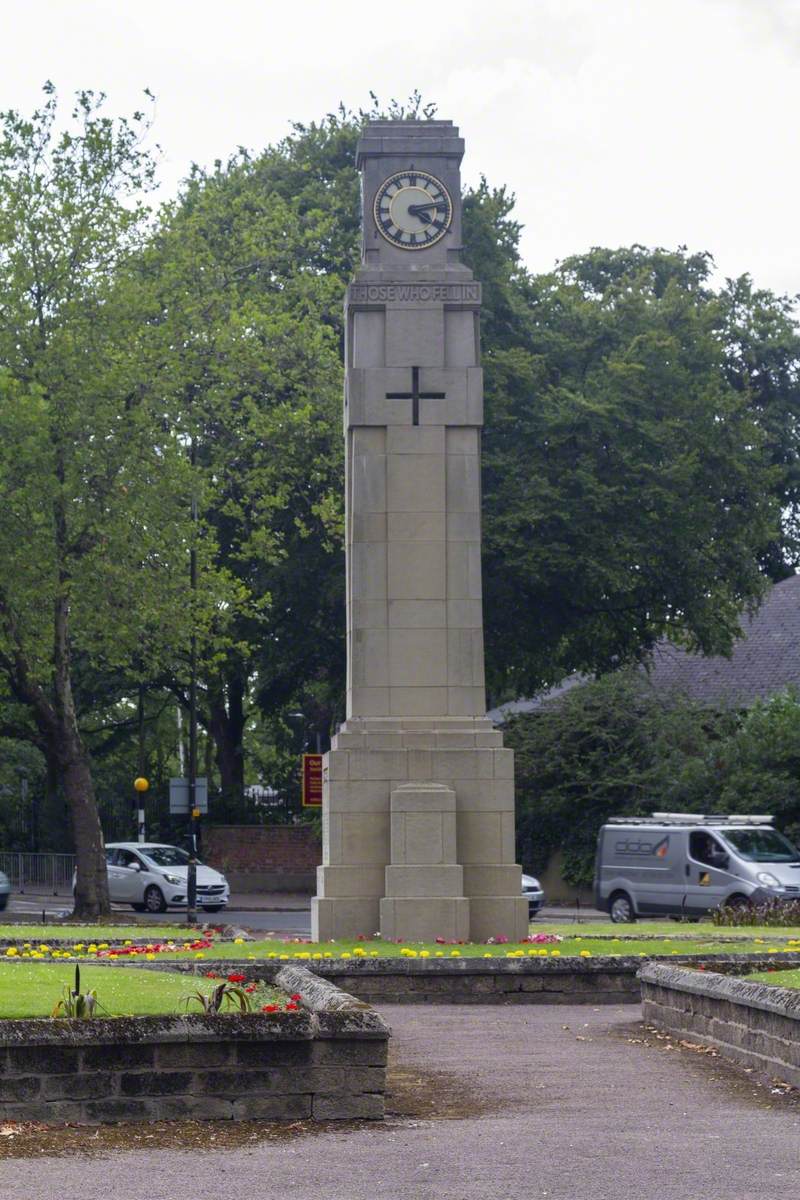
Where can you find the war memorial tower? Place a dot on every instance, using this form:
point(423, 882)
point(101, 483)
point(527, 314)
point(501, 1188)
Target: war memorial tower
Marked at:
point(418, 792)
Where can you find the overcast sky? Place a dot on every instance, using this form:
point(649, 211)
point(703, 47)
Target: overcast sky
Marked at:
point(614, 121)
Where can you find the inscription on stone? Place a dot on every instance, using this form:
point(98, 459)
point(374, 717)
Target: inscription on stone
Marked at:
point(413, 293)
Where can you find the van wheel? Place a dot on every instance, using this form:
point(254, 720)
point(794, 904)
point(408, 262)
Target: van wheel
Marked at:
point(621, 909)
point(737, 901)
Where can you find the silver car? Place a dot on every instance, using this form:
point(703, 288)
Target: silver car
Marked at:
point(152, 877)
point(5, 891)
point(532, 891)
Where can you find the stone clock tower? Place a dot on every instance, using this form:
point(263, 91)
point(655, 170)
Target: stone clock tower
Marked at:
point(418, 792)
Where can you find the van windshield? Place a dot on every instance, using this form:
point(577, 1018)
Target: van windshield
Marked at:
point(761, 845)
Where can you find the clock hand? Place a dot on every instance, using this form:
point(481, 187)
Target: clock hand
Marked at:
point(417, 210)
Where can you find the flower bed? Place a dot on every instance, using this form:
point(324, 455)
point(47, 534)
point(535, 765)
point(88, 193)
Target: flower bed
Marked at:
point(755, 1024)
point(321, 1056)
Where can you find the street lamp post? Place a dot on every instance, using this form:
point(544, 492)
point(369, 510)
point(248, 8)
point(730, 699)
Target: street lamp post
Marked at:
point(140, 786)
point(191, 874)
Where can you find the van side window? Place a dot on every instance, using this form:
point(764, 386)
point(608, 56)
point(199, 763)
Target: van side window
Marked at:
point(706, 849)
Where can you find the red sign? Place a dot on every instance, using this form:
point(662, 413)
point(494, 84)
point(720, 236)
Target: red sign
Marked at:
point(312, 781)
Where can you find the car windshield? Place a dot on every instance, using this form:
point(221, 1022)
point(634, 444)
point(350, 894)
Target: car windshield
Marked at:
point(761, 845)
point(167, 856)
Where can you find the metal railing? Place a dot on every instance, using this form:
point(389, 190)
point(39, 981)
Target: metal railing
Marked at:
point(44, 873)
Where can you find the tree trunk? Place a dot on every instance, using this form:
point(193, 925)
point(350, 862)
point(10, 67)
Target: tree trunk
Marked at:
point(226, 726)
point(91, 887)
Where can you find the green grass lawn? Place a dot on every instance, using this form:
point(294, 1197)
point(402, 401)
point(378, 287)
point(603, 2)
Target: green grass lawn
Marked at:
point(570, 945)
point(32, 989)
point(665, 928)
point(790, 979)
point(66, 931)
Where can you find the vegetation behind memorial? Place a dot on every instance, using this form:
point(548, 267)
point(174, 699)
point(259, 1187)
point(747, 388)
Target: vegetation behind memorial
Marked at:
point(640, 458)
point(618, 747)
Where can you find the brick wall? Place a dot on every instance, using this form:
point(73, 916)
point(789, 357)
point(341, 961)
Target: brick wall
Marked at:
point(255, 858)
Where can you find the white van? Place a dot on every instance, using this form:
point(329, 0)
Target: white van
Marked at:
point(685, 864)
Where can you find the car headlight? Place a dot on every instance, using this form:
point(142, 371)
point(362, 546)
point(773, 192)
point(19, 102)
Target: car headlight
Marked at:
point(173, 879)
point(767, 879)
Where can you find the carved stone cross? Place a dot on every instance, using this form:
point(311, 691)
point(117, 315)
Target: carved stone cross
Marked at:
point(415, 395)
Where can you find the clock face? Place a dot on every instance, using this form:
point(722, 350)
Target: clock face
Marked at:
point(413, 209)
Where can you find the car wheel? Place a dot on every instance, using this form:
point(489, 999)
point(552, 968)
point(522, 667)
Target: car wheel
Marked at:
point(212, 907)
point(154, 901)
point(139, 908)
point(3, 901)
point(621, 909)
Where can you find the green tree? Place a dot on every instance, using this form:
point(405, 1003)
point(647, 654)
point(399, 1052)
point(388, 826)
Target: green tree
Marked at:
point(92, 495)
point(612, 747)
point(628, 493)
point(248, 365)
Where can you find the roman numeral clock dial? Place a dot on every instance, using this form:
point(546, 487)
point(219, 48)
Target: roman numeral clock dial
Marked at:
point(413, 210)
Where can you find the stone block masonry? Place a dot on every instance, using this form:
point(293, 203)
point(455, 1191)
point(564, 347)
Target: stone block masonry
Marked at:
point(418, 792)
point(754, 1024)
point(327, 1062)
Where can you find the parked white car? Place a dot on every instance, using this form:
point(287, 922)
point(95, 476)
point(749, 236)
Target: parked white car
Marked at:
point(5, 890)
point(152, 877)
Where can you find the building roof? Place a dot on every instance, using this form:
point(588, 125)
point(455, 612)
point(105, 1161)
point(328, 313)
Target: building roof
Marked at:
point(765, 660)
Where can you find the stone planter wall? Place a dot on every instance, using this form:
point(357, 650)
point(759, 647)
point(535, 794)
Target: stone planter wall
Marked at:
point(755, 1024)
point(326, 1062)
point(566, 980)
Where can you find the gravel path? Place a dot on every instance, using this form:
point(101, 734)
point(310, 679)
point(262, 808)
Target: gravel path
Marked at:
point(567, 1103)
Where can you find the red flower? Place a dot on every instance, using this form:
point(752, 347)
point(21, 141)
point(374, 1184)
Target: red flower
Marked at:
point(269, 1008)
point(212, 975)
point(236, 978)
point(251, 987)
point(291, 1006)
point(296, 996)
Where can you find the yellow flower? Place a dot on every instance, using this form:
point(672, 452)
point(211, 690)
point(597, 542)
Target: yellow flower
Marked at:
point(327, 954)
point(45, 949)
point(557, 953)
point(487, 956)
point(344, 955)
point(424, 953)
point(199, 954)
point(283, 956)
point(585, 954)
point(103, 946)
point(316, 956)
point(455, 954)
point(150, 956)
point(238, 941)
point(358, 951)
point(251, 956)
point(373, 953)
point(773, 950)
point(128, 943)
point(79, 945)
point(440, 954)
point(11, 951)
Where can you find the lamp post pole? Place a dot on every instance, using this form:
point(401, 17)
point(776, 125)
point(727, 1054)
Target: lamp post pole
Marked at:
point(191, 875)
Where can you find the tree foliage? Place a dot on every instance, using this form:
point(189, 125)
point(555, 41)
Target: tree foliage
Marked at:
point(90, 493)
point(613, 747)
point(628, 494)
